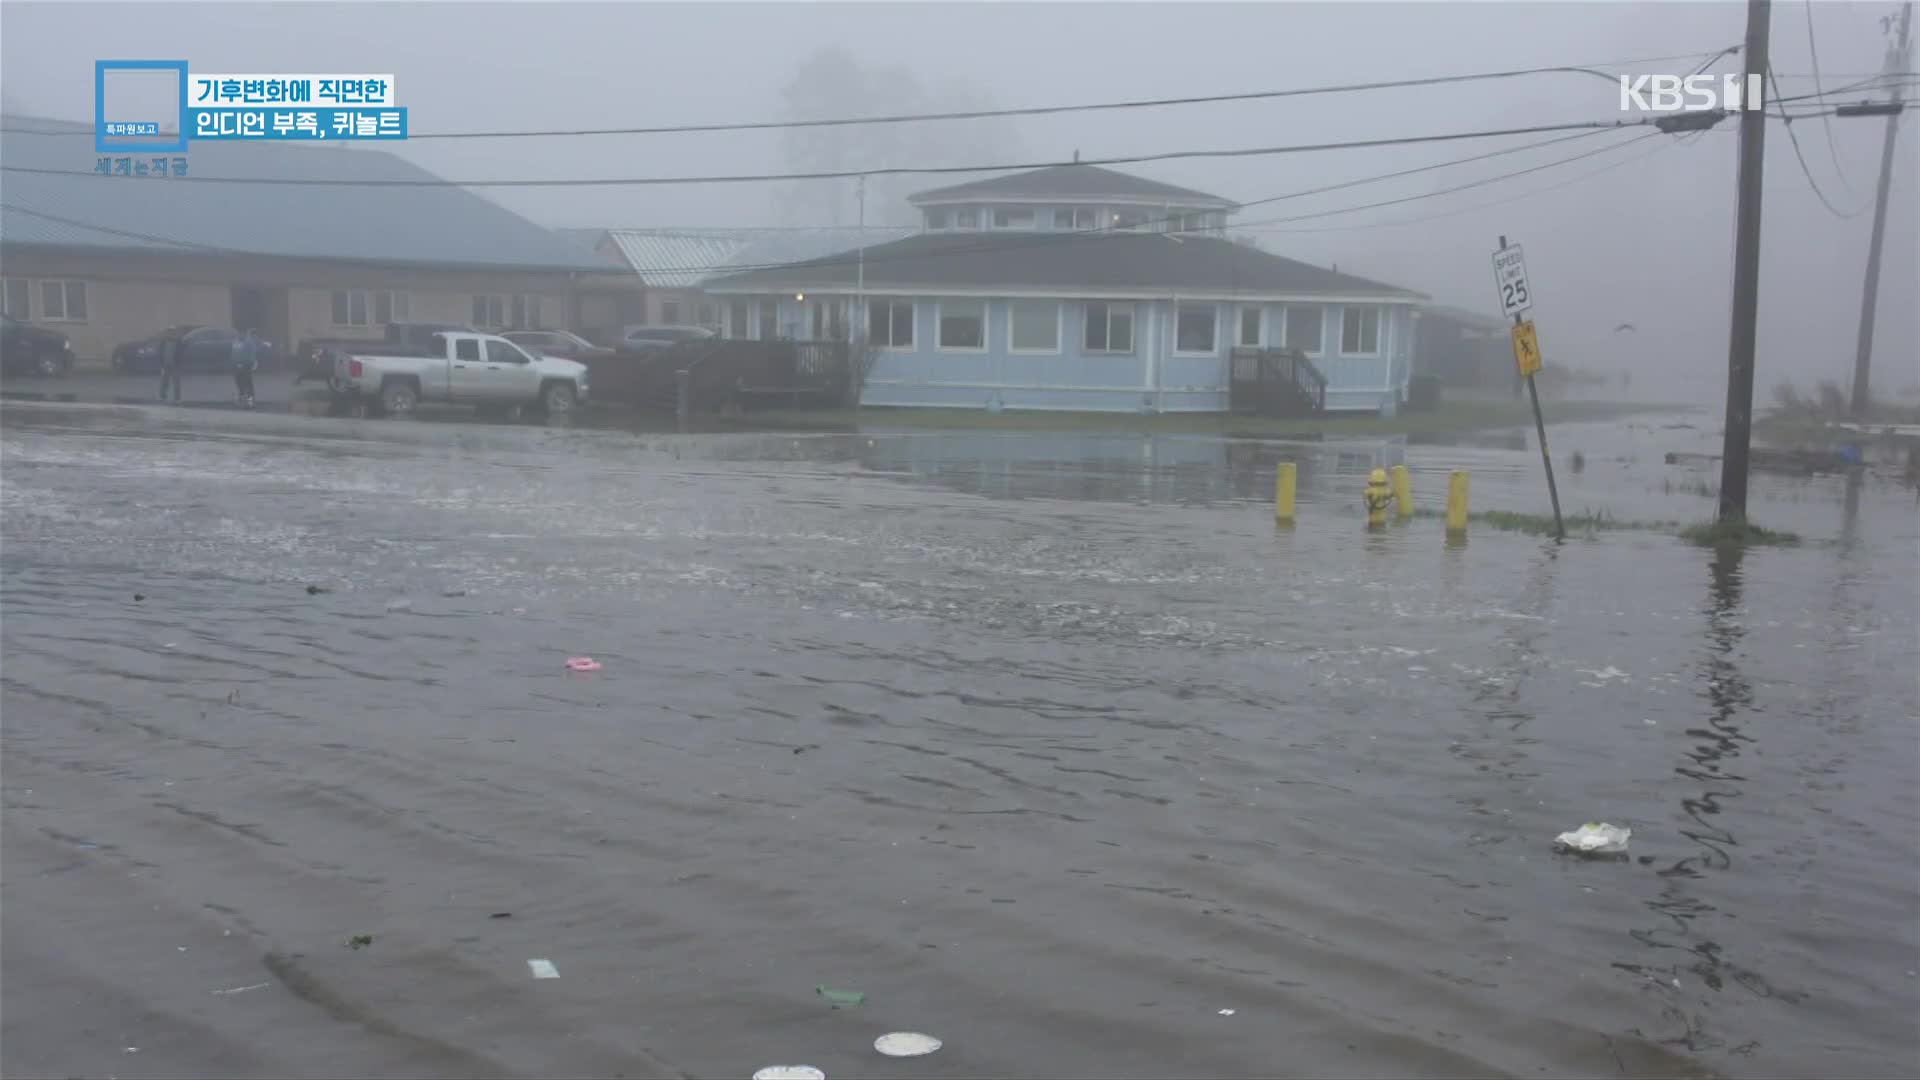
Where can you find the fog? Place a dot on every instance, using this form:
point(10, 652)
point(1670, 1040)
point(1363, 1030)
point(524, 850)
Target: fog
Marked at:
point(1647, 242)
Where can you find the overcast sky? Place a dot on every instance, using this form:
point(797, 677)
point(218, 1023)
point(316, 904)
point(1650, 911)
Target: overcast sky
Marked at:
point(1647, 242)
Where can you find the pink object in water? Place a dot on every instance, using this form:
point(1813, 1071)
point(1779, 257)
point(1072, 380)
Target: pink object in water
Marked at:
point(583, 663)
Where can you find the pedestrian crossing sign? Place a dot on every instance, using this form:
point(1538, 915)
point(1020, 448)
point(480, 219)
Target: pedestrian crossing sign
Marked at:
point(1526, 347)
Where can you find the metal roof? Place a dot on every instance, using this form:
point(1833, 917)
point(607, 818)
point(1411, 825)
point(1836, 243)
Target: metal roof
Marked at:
point(1070, 183)
point(431, 226)
point(1140, 263)
point(686, 258)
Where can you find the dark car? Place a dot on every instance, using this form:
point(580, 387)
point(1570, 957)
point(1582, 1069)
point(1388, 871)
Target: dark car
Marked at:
point(34, 350)
point(560, 343)
point(202, 349)
point(647, 339)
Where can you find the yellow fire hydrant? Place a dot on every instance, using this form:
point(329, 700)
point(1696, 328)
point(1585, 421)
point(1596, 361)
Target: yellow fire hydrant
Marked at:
point(1378, 495)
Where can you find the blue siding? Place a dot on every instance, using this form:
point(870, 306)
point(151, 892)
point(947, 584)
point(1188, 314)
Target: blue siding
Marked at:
point(1150, 378)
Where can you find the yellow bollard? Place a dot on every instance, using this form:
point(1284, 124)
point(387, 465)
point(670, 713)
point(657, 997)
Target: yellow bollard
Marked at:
point(1457, 504)
point(1283, 490)
point(1402, 492)
point(1377, 496)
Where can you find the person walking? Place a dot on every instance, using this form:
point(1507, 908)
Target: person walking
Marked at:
point(170, 368)
point(246, 360)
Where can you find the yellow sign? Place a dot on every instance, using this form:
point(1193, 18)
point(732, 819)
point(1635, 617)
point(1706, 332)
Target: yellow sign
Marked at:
point(1526, 347)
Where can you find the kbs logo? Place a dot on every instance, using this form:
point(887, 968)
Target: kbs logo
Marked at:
point(1693, 93)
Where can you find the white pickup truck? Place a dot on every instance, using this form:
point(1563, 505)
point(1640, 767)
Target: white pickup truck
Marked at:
point(466, 369)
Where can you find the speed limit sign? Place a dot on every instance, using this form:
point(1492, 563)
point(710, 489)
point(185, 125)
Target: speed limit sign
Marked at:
point(1510, 277)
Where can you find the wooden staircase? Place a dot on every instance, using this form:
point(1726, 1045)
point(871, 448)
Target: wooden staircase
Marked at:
point(1275, 382)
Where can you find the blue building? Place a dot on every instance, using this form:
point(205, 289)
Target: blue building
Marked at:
point(1080, 288)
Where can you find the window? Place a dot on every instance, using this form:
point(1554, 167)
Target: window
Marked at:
point(829, 321)
point(18, 299)
point(890, 323)
point(390, 307)
point(709, 315)
point(963, 324)
point(504, 352)
point(1360, 331)
point(769, 320)
point(1035, 325)
point(1128, 220)
point(1305, 328)
point(966, 219)
point(936, 219)
point(63, 301)
point(489, 311)
point(1194, 328)
point(738, 325)
point(1193, 222)
point(526, 312)
point(670, 312)
point(466, 348)
point(1109, 328)
point(1067, 217)
point(1252, 326)
point(1013, 219)
point(349, 307)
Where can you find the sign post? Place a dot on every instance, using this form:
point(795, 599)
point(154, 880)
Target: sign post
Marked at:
point(1516, 298)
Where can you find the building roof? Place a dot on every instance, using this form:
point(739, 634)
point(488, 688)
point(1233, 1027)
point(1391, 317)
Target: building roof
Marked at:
point(685, 258)
point(1070, 183)
point(1472, 320)
point(432, 226)
point(1147, 264)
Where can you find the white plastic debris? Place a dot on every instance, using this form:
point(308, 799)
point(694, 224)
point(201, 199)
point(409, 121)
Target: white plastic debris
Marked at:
point(1226, 1012)
point(906, 1044)
point(1592, 839)
point(543, 969)
point(789, 1072)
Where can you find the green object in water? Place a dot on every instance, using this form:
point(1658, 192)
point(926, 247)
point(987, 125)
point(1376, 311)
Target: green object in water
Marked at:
point(359, 941)
point(841, 998)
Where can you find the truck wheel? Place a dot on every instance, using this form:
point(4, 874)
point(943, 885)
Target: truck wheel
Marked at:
point(558, 399)
point(397, 399)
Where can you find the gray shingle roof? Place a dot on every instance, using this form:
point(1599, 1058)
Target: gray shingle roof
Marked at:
point(431, 226)
point(684, 258)
point(1069, 183)
point(1067, 262)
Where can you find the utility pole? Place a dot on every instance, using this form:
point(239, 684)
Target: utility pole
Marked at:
point(1746, 275)
point(858, 332)
point(1897, 61)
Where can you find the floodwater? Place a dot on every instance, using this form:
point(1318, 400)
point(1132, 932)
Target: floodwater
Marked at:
point(1053, 746)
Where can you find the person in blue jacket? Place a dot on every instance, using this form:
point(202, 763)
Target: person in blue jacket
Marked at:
point(246, 360)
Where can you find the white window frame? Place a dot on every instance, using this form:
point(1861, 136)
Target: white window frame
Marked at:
point(1259, 341)
point(341, 304)
point(1135, 220)
point(937, 220)
point(66, 297)
point(1059, 332)
point(1133, 327)
point(1379, 329)
point(1214, 349)
point(940, 326)
point(486, 305)
point(892, 306)
point(1286, 328)
point(739, 319)
point(1066, 212)
point(967, 219)
point(25, 312)
point(1011, 213)
point(399, 306)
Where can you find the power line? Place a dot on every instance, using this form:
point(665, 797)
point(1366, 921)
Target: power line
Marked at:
point(995, 244)
point(1794, 138)
point(1035, 110)
point(1457, 211)
point(1826, 122)
point(848, 174)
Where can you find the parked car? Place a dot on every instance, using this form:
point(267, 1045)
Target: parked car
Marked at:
point(202, 349)
point(557, 343)
point(641, 339)
point(315, 357)
point(462, 368)
point(33, 350)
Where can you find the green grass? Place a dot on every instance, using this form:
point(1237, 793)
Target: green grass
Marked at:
point(1736, 533)
point(1449, 418)
point(1585, 524)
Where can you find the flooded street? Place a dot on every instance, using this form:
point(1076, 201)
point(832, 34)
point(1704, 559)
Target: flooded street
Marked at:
point(1052, 745)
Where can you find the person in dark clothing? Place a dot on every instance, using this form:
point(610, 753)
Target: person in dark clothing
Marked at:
point(170, 368)
point(246, 360)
